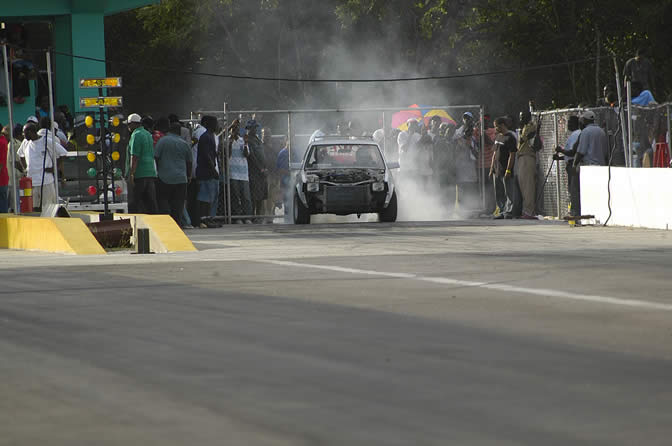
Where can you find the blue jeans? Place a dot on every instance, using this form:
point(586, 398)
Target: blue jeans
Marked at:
point(208, 191)
point(4, 199)
point(186, 220)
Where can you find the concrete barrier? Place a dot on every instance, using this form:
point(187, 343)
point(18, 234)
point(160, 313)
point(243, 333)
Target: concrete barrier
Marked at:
point(640, 197)
point(165, 234)
point(60, 235)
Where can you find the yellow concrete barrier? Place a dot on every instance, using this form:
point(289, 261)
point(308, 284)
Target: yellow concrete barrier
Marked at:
point(164, 234)
point(62, 235)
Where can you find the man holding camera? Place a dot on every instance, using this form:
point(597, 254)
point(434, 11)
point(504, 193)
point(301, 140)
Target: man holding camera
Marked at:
point(572, 173)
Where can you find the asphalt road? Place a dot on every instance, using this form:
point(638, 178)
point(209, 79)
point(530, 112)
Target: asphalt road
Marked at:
point(469, 333)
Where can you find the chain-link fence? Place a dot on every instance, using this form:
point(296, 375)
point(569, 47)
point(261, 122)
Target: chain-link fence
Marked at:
point(255, 189)
point(643, 144)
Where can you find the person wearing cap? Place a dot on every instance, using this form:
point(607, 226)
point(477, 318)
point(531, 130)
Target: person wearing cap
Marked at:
point(572, 175)
point(141, 168)
point(526, 158)
point(593, 145)
point(38, 153)
point(591, 149)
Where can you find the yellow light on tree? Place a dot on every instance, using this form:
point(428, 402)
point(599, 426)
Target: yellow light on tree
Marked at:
point(115, 121)
point(91, 156)
point(116, 137)
point(90, 139)
point(115, 156)
point(88, 121)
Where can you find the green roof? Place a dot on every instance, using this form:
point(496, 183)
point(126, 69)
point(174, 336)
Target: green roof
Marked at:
point(21, 8)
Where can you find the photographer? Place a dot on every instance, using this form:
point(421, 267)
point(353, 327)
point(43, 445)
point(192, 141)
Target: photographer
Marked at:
point(572, 174)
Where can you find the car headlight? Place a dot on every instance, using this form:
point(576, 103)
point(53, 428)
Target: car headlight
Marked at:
point(313, 187)
point(378, 187)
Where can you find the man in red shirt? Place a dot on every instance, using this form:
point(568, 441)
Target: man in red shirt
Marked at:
point(4, 175)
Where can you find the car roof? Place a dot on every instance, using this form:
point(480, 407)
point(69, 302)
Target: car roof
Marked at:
point(342, 140)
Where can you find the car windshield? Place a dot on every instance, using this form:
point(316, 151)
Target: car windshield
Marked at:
point(364, 156)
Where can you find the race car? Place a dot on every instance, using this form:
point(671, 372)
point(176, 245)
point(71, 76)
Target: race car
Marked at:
point(343, 176)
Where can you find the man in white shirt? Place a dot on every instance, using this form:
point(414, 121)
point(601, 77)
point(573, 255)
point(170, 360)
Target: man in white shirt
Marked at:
point(38, 154)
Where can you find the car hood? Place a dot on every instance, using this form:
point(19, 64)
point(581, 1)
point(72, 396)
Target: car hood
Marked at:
point(347, 176)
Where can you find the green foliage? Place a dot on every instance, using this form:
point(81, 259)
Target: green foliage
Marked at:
point(294, 37)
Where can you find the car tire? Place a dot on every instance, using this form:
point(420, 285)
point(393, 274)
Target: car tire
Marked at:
point(301, 213)
point(389, 214)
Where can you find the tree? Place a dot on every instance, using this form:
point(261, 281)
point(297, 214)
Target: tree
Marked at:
point(378, 39)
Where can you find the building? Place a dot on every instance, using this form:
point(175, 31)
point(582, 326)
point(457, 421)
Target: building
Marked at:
point(69, 27)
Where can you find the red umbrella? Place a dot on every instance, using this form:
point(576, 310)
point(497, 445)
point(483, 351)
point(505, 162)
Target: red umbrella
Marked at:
point(400, 118)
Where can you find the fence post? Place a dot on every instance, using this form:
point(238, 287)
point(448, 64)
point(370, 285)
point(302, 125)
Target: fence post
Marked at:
point(621, 118)
point(629, 154)
point(384, 136)
point(669, 132)
point(227, 164)
point(289, 136)
point(557, 166)
point(481, 170)
point(54, 159)
point(12, 149)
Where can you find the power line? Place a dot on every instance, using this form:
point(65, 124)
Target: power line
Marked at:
point(316, 80)
point(313, 80)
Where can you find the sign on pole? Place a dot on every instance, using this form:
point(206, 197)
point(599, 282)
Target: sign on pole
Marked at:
point(101, 101)
point(102, 82)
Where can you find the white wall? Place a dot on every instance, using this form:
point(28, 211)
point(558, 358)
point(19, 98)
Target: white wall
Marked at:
point(639, 197)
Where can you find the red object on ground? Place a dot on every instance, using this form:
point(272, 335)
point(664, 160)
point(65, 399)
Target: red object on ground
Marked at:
point(661, 157)
point(92, 190)
point(26, 194)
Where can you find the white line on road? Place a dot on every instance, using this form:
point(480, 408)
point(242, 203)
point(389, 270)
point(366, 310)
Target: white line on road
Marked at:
point(490, 286)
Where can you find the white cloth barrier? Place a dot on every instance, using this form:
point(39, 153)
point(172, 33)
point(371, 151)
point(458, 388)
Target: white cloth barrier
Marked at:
point(639, 197)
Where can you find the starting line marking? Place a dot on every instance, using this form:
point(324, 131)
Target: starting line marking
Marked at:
point(490, 286)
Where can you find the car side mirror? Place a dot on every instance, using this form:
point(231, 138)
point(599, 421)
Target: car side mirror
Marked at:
point(393, 165)
point(294, 166)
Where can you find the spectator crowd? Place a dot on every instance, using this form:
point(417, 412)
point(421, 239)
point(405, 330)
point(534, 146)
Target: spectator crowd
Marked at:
point(178, 167)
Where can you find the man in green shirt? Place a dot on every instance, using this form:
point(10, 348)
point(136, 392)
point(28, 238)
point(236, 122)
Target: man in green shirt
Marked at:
point(141, 170)
point(173, 160)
